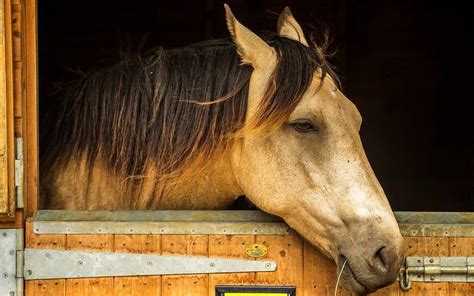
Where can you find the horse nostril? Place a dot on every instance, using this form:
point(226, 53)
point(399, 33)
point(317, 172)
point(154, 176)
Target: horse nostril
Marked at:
point(381, 259)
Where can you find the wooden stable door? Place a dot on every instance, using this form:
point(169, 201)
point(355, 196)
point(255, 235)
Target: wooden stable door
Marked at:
point(18, 112)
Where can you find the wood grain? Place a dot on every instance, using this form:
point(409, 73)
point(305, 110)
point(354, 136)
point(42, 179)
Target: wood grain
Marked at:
point(90, 286)
point(319, 273)
point(461, 247)
point(143, 285)
point(7, 204)
point(185, 285)
point(230, 246)
point(56, 287)
point(287, 252)
point(30, 139)
point(427, 246)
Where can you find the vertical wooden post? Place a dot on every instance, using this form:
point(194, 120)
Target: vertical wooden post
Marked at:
point(30, 140)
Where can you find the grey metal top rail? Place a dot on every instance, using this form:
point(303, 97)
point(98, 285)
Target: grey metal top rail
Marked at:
point(225, 222)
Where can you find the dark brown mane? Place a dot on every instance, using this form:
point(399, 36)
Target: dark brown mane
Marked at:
point(174, 108)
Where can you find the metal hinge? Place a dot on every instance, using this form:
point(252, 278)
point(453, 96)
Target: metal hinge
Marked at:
point(11, 262)
point(19, 172)
point(436, 269)
point(52, 264)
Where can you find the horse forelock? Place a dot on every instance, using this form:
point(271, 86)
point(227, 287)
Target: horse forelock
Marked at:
point(172, 111)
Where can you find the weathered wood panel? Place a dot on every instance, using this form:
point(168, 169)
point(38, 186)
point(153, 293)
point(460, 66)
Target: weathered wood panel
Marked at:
point(143, 285)
point(230, 246)
point(287, 252)
point(319, 274)
point(92, 286)
point(56, 287)
point(6, 114)
point(299, 264)
point(461, 246)
point(185, 285)
point(30, 137)
point(427, 246)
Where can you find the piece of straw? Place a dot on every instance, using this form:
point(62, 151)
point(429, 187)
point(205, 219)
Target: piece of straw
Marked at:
point(339, 277)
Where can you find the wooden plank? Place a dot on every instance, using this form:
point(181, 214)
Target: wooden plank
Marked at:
point(4, 151)
point(16, 32)
point(392, 290)
point(30, 140)
point(427, 246)
point(7, 203)
point(230, 246)
point(185, 285)
point(17, 89)
point(143, 285)
point(54, 287)
point(287, 252)
point(90, 286)
point(319, 273)
point(462, 247)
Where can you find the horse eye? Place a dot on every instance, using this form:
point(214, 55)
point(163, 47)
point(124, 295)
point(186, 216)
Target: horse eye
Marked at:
point(304, 126)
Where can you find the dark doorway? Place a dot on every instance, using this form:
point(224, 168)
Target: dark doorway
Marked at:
point(406, 64)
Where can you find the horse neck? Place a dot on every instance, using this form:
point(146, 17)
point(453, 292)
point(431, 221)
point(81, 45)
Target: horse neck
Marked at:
point(213, 187)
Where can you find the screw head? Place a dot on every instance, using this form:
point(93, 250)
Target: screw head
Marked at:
point(5, 275)
point(432, 277)
point(268, 265)
point(29, 272)
point(80, 263)
point(431, 260)
point(212, 264)
point(12, 252)
point(4, 234)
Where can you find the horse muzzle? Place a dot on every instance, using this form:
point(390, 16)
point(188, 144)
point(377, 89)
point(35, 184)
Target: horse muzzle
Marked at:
point(366, 267)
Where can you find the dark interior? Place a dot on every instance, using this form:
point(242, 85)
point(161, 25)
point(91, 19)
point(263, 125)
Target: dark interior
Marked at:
point(406, 64)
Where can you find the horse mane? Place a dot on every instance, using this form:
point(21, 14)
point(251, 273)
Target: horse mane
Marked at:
point(174, 109)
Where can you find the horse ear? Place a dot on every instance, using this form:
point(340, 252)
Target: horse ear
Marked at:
point(288, 27)
point(251, 48)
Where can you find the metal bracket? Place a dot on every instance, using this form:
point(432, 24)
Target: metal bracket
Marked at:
point(51, 264)
point(19, 172)
point(436, 269)
point(11, 246)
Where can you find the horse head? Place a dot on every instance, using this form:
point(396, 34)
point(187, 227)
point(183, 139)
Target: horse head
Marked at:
point(312, 169)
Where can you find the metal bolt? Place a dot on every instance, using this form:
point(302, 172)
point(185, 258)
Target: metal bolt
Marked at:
point(432, 277)
point(80, 263)
point(29, 272)
point(12, 252)
point(5, 275)
point(212, 264)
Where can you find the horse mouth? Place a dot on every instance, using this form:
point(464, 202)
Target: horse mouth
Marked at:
point(349, 280)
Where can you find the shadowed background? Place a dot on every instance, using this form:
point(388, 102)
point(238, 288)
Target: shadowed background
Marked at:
point(406, 64)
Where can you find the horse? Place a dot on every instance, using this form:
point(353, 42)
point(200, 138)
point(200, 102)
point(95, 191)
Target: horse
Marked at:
point(260, 115)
